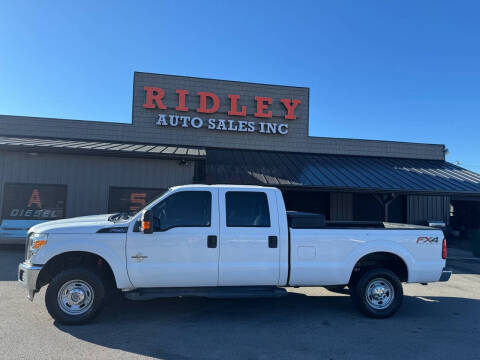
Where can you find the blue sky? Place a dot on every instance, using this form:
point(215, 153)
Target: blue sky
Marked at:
point(404, 71)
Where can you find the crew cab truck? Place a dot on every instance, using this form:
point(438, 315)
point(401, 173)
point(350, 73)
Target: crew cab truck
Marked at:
point(223, 241)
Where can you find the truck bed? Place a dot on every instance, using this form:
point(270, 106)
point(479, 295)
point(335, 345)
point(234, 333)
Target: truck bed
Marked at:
point(304, 220)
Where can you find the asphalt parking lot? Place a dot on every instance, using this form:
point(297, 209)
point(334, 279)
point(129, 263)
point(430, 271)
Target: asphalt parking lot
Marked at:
point(438, 321)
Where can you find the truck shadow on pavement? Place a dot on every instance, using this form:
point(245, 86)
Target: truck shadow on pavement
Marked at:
point(464, 266)
point(297, 326)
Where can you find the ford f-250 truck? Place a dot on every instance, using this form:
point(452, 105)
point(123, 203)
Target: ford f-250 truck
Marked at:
point(224, 241)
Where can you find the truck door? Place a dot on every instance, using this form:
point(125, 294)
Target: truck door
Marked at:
point(183, 249)
point(249, 252)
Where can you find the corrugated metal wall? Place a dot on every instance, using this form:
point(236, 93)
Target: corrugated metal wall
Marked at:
point(421, 208)
point(89, 177)
point(341, 206)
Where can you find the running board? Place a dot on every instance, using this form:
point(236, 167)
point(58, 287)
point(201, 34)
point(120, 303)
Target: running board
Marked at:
point(220, 292)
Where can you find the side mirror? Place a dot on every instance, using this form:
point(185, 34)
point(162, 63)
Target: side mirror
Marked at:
point(146, 225)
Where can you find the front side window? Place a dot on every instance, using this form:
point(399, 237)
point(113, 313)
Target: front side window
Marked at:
point(183, 209)
point(247, 209)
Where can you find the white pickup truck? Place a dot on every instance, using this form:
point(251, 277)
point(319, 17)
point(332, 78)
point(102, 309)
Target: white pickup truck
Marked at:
point(224, 241)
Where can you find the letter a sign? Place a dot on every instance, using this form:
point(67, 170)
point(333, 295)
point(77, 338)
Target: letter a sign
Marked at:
point(35, 199)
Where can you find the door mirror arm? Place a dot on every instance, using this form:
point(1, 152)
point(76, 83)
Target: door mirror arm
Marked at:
point(146, 222)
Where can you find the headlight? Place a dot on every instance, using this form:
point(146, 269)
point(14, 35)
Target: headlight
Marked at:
point(35, 242)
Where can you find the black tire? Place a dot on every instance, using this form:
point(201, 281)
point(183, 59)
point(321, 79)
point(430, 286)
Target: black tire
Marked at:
point(371, 306)
point(88, 279)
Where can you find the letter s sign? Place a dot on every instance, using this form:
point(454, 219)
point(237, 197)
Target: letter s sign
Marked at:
point(137, 198)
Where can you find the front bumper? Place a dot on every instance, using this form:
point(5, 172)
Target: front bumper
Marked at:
point(27, 276)
point(445, 275)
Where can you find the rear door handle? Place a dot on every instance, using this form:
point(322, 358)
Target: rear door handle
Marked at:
point(272, 242)
point(212, 241)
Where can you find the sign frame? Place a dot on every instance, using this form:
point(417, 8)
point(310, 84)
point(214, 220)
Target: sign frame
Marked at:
point(6, 184)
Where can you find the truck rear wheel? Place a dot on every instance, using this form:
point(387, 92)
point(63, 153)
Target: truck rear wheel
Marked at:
point(378, 293)
point(75, 296)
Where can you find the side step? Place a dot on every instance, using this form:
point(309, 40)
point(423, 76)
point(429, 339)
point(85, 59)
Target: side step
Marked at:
point(220, 292)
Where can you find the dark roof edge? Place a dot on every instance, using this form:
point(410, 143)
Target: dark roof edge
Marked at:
point(93, 152)
point(100, 152)
point(329, 154)
point(375, 140)
point(311, 137)
point(102, 140)
point(26, 117)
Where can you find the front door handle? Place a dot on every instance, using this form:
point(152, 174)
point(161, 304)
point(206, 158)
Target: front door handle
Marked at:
point(272, 242)
point(212, 241)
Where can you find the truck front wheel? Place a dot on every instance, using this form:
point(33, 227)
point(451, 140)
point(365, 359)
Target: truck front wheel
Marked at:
point(378, 293)
point(75, 296)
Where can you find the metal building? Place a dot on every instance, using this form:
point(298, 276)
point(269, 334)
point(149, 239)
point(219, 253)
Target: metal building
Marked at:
point(190, 130)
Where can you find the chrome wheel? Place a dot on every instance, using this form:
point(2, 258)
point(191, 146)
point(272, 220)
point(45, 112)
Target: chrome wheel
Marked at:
point(75, 297)
point(379, 293)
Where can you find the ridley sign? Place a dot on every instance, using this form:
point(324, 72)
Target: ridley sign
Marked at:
point(210, 104)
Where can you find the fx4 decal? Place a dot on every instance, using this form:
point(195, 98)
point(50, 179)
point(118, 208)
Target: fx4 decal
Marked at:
point(427, 239)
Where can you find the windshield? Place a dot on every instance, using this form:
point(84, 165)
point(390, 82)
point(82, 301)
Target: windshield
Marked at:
point(124, 216)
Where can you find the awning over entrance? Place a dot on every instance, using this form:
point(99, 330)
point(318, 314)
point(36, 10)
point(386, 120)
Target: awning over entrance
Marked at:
point(339, 172)
point(101, 148)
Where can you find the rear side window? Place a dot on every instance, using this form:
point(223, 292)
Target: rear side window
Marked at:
point(247, 209)
point(183, 209)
